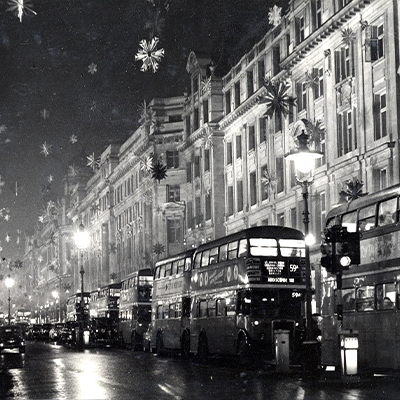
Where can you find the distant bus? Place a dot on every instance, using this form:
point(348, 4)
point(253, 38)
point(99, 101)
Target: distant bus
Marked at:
point(371, 290)
point(171, 304)
point(108, 301)
point(22, 314)
point(73, 306)
point(244, 287)
point(135, 307)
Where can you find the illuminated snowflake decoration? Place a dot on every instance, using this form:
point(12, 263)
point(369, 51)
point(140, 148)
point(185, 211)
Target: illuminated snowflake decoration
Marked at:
point(146, 164)
point(158, 248)
point(147, 115)
point(205, 85)
point(274, 15)
point(45, 114)
point(3, 128)
point(50, 178)
point(92, 68)
point(45, 149)
point(41, 219)
point(8, 238)
point(268, 180)
point(348, 36)
point(93, 106)
point(40, 259)
point(73, 139)
point(2, 183)
point(7, 217)
point(20, 7)
point(208, 140)
point(149, 54)
point(92, 162)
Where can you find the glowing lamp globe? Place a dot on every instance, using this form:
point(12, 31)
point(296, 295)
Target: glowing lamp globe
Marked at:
point(82, 238)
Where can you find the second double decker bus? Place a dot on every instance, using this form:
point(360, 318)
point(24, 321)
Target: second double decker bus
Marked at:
point(135, 307)
point(244, 287)
point(171, 304)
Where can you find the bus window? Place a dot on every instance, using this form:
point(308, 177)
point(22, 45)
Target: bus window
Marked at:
point(188, 263)
point(186, 307)
point(292, 248)
point(168, 268)
point(387, 211)
point(242, 248)
point(211, 306)
point(174, 270)
point(197, 260)
point(349, 221)
point(181, 265)
point(232, 250)
point(171, 311)
point(349, 299)
point(231, 306)
point(223, 252)
point(365, 298)
point(204, 258)
point(366, 218)
point(244, 302)
point(221, 307)
point(159, 312)
point(385, 296)
point(162, 271)
point(165, 311)
point(203, 308)
point(178, 310)
point(214, 255)
point(263, 247)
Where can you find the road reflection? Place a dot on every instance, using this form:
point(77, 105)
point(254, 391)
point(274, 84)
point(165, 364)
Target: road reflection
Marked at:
point(11, 360)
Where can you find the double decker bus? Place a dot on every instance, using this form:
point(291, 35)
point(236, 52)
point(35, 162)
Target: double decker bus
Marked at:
point(108, 301)
point(171, 304)
point(244, 287)
point(135, 307)
point(74, 304)
point(370, 294)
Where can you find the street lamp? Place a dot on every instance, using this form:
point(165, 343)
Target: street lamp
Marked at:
point(304, 159)
point(54, 293)
point(82, 241)
point(9, 284)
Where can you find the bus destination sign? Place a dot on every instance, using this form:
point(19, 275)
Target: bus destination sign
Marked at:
point(279, 271)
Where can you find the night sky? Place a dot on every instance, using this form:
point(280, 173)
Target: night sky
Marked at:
point(48, 94)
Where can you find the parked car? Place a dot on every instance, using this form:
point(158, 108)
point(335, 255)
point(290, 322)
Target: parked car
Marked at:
point(55, 332)
point(68, 335)
point(24, 326)
point(34, 332)
point(46, 331)
point(12, 337)
point(103, 331)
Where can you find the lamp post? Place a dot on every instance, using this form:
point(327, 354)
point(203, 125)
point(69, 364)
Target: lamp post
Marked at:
point(304, 159)
point(9, 284)
point(82, 241)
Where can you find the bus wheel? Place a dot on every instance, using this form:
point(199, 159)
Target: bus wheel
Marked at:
point(202, 350)
point(159, 345)
point(186, 346)
point(243, 350)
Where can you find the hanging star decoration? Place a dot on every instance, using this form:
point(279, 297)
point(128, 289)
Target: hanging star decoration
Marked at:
point(353, 190)
point(155, 24)
point(73, 139)
point(149, 55)
point(348, 36)
point(158, 248)
point(92, 162)
point(46, 149)
point(2, 183)
point(277, 98)
point(73, 170)
point(146, 164)
point(312, 80)
point(20, 7)
point(316, 132)
point(45, 114)
point(268, 180)
point(159, 171)
point(205, 85)
point(208, 139)
point(3, 128)
point(274, 15)
point(92, 68)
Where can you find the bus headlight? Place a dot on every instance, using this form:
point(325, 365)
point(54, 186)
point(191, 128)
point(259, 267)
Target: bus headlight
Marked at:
point(255, 323)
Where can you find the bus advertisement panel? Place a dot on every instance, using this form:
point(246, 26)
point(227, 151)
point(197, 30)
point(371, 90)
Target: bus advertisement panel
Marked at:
point(135, 307)
point(368, 302)
point(244, 287)
point(171, 304)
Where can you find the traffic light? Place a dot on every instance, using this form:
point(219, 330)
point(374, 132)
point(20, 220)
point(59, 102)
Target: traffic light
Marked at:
point(340, 249)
